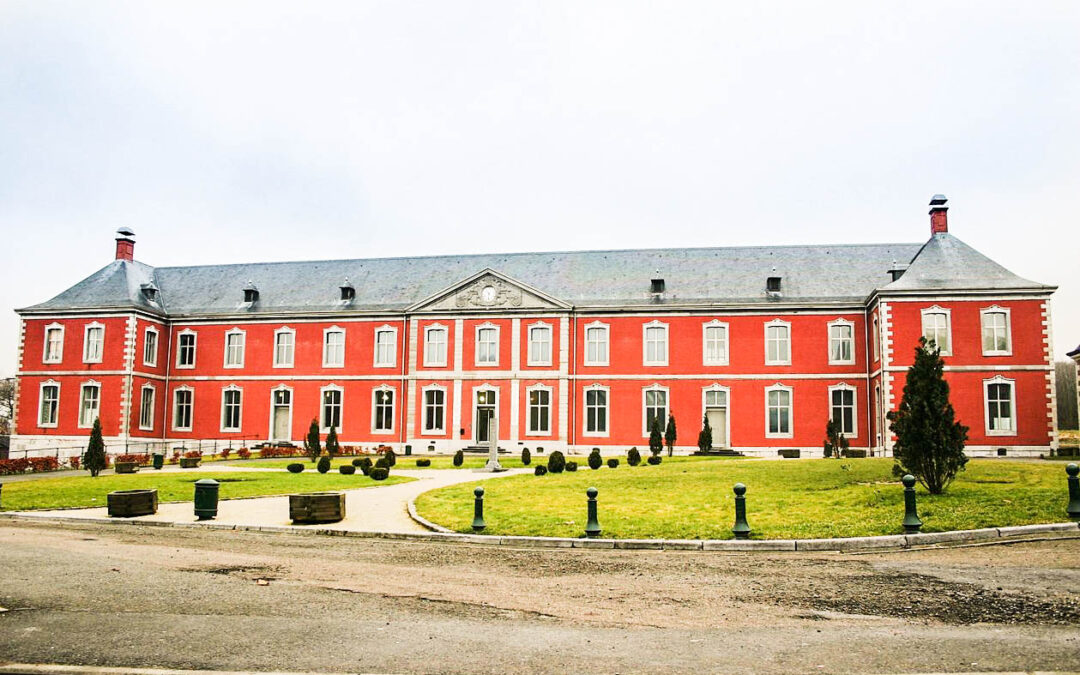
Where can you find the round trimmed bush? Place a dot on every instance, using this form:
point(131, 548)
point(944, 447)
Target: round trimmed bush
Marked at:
point(613, 463)
point(595, 461)
point(633, 457)
point(571, 466)
point(526, 457)
point(382, 463)
point(379, 473)
point(459, 458)
point(391, 458)
point(358, 461)
point(324, 464)
point(365, 465)
point(423, 462)
point(295, 467)
point(540, 470)
point(347, 469)
point(655, 459)
point(556, 462)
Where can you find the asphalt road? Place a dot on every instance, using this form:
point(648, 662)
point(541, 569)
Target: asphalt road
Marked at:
point(154, 597)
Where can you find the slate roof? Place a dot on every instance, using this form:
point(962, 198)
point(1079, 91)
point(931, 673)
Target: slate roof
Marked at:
point(724, 276)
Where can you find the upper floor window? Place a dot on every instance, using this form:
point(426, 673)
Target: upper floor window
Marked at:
point(146, 408)
point(385, 346)
point(656, 344)
point(842, 408)
point(93, 343)
point(778, 343)
point(596, 411)
point(435, 345)
point(183, 402)
point(49, 404)
point(487, 345)
point(1000, 407)
point(231, 399)
point(778, 411)
point(841, 342)
point(539, 410)
point(150, 347)
point(333, 348)
point(434, 409)
point(284, 347)
point(89, 404)
point(656, 408)
point(715, 344)
point(996, 332)
point(383, 410)
point(539, 345)
point(234, 348)
point(185, 350)
point(936, 328)
point(876, 340)
point(331, 407)
point(54, 344)
point(596, 344)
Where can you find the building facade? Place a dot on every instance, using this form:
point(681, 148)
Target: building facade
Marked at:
point(567, 350)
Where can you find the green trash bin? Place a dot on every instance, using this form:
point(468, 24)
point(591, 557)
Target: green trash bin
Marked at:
point(206, 498)
point(159, 460)
point(408, 450)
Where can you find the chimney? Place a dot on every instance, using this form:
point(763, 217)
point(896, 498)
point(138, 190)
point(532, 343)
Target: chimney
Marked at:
point(125, 244)
point(939, 215)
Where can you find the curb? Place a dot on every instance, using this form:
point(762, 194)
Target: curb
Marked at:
point(882, 543)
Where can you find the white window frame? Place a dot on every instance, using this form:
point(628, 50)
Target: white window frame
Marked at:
point(86, 342)
point(176, 408)
point(429, 360)
point(180, 349)
point(292, 399)
point(285, 330)
point(778, 323)
point(1008, 330)
point(645, 407)
point(948, 325)
point(242, 347)
point(383, 329)
point(56, 404)
point(240, 405)
point(393, 409)
point(59, 356)
point(998, 379)
point(529, 430)
point(837, 324)
point(606, 331)
point(326, 362)
point(142, 408)
point(323, 426)
point(790, 407)
point(532, 358)
point(424, 430)
point(724, 359)
point(726, 391)
point(645, 344)
point(484, 387)
point(498, 337)
point(875, 338)
point(89, 384)
point(607, 411)
point(153, 360)
point(844, 386)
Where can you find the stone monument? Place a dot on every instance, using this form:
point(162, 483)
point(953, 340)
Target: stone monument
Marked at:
point(493, 465)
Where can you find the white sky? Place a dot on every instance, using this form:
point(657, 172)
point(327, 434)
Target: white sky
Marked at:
point(235, 132)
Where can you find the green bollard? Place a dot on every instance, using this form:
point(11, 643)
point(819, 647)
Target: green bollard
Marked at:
point(478, 510)
point(206, 498)
point(592, 526)
point(912, 524)
point(1074, 491)
point(742, 528)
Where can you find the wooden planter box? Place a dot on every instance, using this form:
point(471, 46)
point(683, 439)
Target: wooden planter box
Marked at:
point(317, 507)
point(190, 462)
point(855, 454)
point(789, 453)
point(130, 503)
point(126, 467)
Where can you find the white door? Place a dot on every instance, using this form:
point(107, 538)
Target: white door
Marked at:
point(282, 415)
point(718, 422)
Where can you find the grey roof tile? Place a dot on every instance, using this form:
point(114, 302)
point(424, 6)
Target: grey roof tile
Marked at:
point(946, 263)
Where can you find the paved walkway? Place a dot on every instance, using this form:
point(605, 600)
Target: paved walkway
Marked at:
point(374, 509)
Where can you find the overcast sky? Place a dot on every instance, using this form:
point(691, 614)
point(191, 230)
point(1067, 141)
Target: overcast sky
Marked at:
point(236, 132)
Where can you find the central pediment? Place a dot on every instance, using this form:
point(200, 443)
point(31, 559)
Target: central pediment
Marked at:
point(488, 290)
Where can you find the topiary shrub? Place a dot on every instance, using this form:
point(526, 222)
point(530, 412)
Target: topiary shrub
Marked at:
point(423, 462)
point(540, 470)
point(391, 458)
point(655, 459)
point(633, 457)
point(347, 469)
point(324, 464)
point(382, 463)
point(556, 462)
point(459, 458)
point(613, 463)
point(365, 465)
point(571, 466)
point(359, 460)
point(595, 461)
point(526, 457)
point(379, 473)
point(295, 467)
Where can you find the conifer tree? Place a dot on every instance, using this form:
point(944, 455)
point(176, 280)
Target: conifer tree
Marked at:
point(656, 438)
point(311, 443)
point(704, 438)
point(332, 445)
point(94, 460)
point(670, 434)
point(835, 442)
point(929, 440)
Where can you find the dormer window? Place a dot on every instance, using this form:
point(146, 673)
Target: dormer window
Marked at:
point(656, 287)
point(251, 293)
point(150, 292)
point(348, 292)
point(772, 285)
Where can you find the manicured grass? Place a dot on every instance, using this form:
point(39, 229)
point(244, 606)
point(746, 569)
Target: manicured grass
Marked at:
point(785, 499)
point(84, 491)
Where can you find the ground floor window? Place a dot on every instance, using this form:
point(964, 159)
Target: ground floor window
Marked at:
point(539, 411)
point(596, 411)
point(384, 410)
point(1000, 409)
point(230, 409)
point(146, 409)
point(89, 404)
point(778, 412)
point(842, 403)
point(50, 404)
point(434, 410)
point(183, 399)
point(655, 408)
point(331, 408)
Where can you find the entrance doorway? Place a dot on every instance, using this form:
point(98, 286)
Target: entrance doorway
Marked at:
point(717, 413)
point(281, 415)
point(485, 411)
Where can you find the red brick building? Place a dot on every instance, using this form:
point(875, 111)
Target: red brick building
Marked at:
point(566, 349)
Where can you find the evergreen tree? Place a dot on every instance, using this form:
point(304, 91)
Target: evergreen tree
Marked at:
point(332, 445)
point(656, 439)
point(94, 460)
point(704, 438)
point(835, 442)
point(311, 443)
point(670, 434)
point(929, 440)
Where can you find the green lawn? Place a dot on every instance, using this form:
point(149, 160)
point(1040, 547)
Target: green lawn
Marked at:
point(81, 491)
point(785, 499)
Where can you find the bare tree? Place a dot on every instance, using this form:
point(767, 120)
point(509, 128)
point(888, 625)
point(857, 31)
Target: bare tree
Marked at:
point(1066, 395)
point(7, 406)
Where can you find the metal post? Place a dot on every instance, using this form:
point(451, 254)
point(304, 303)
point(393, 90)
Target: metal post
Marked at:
point(592, 526)
point(911, 516)
point(1074, 491)
point(478, 523)
point(742, 528)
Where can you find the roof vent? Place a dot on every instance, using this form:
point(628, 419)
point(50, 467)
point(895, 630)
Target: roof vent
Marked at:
point(656, 287)
point(251, 293)
point(348, 293)
point(772, 286)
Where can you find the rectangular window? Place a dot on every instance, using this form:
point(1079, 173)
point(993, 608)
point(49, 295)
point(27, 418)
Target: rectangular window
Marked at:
point(995, 333)
point(150, 347)
point(596, 412)
point(435, 347)
point(284, 348)
point(182, 400)
point(89, 404)
point(841, 343)
point(385, 347)
point(230, 410)
point(936, 330)
point(384, 410)
point(655, 409)
point(777, 344)
point(93, 344)
point(185, 350)
point(54, 345)
point(539, 411)
point(234, 349)
point(843, 410)
point(331, 409)
point(596, 346)
point(779, 412)
point(487, 346)
point(876, 339)
point(999, 408)
point(540, 345)
point(716, 346)
point(334, 349)
point(50, 404)
point(146, 409)
point(434, 410)
point(656, 353)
